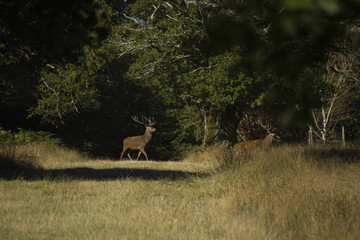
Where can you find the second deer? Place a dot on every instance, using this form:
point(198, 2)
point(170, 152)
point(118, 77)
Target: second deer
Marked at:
point(258, 143)
point(139, 142)
point(254, 144)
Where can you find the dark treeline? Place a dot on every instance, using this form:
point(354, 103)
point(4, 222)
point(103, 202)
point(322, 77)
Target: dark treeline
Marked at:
point(208, 71)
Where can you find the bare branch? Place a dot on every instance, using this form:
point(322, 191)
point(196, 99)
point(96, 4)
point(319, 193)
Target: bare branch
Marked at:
point(57, 97)
point(131, 18)
point(155, 10)
point(168, 4)
point(51, 66)
point(74, 105)
point(198, 69)
point(315, 120)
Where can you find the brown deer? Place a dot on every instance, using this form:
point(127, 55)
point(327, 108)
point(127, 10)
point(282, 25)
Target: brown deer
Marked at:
point(139, 142)
point(254, 144)
point(258, 143)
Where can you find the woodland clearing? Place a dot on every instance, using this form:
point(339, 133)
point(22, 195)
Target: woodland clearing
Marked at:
point(287, 192)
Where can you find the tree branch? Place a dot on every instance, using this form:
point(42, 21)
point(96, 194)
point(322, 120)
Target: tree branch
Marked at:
point(131, 18)
point(155, 10)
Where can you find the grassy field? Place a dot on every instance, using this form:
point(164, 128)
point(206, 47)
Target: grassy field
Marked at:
point(289, 192)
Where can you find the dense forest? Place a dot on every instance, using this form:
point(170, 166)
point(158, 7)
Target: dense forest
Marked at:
point(207, 71)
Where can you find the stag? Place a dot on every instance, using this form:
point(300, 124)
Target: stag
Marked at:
point(139, 142)
point(254, 144)
point(258, 143)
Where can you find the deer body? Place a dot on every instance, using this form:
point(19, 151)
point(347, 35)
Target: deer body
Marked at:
point(254, 144)
point(138, 142)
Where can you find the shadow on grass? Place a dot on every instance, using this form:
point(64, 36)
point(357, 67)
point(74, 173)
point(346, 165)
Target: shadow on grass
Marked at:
point(349, 154)
point(118, 174)
point(31, 174)
point(17, 165)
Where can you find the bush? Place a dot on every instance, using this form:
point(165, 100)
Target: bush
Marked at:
point(27, 136)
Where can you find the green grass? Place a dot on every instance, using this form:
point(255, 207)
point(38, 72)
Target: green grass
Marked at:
point(290, 192)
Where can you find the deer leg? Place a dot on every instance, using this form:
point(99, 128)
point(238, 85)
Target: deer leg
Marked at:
point(138, 155)
point(122, 153)
point(143, 151)
point(129, 156)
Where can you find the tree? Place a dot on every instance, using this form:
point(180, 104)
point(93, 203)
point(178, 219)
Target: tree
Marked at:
point(340, 80)
point(173, 55)
point(284, 39)
point(288, 35)
point(196, 66)
point(37, 34)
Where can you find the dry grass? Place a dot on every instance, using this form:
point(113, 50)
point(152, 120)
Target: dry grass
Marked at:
point(290, 192)
point(297, 192)
point(51, 156)
point(212, 156)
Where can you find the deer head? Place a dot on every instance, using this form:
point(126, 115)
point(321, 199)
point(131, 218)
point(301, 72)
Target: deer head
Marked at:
point(267, 128)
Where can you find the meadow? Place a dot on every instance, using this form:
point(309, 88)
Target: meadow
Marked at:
point(286, 192)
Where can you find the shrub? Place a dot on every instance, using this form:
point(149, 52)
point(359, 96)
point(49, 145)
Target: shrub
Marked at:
point(27, 136)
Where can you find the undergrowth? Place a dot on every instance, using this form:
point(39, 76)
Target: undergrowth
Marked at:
point(295, 192)
point(22, 136)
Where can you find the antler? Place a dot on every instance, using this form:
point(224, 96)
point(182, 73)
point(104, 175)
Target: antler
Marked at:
point(135, 118)
point(150, 121)
point(259, 122)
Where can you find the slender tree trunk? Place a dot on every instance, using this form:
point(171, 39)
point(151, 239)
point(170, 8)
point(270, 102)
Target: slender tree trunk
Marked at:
point(324, 126)
point(206, 129)
point(310, 140)
point(220, 134)
point(206, 123)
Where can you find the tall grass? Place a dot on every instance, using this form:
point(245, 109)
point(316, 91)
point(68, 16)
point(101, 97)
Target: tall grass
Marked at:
point(14, 163)
point(29, 160)
point(296, 192)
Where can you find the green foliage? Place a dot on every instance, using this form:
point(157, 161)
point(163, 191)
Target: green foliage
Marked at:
point(22, 136)
point(290, 35)
point(188, 130)
point(5, 135)
point(64, 91)
point(64, 28)
point(195, 66)
point(37, 34)
point(217, 85)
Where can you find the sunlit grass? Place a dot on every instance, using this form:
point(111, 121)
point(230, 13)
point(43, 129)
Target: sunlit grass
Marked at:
point(287, 192)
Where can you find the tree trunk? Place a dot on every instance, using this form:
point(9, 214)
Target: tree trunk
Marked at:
point(206, 130)
point(324, 126)
point(226, 126)
point(310, 140)
point(219, 128)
